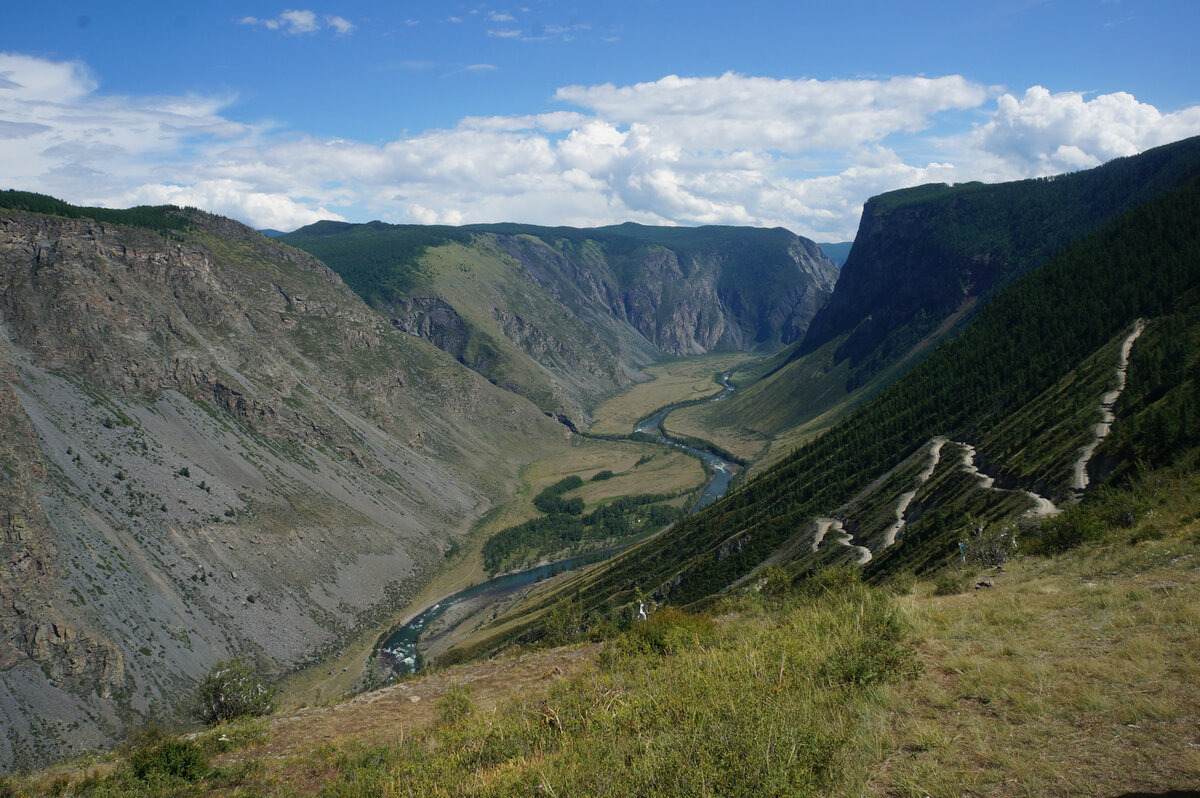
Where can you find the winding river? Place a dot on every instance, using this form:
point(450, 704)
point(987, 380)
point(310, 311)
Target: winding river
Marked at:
point(399, 650)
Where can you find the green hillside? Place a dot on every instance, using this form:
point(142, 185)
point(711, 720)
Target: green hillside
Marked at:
point(567, 316)
point(924, 263)
point(989, 387)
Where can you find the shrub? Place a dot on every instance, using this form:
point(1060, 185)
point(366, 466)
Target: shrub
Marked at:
point(667, 631)
point(159, 755)
point(774, 582)
point(456, 705)
point(875, 651)
point(232, 689)
point(989, 548)
point(950, 582)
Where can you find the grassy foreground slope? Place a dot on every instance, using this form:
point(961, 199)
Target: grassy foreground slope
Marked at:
point(1074, 674)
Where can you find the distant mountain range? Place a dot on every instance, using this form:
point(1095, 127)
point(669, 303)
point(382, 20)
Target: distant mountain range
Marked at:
point(565, 316)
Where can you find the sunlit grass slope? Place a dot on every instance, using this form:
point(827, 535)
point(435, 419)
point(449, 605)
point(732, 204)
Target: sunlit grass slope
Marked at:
point(1072, 674)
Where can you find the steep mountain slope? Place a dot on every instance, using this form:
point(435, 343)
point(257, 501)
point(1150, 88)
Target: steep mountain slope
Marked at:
point(210, 446)
point(1013, 398)
point(565, 316)
point(924, 262)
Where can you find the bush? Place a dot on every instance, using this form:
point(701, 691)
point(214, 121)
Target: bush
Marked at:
point(667, 631)
point(875, 651)
point(989, 547)
point(158, 755)
point(232, 689)
point(950, 582)
point(457, 704)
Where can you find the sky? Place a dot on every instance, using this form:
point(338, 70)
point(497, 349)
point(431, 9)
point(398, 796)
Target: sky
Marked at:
point(556, 112)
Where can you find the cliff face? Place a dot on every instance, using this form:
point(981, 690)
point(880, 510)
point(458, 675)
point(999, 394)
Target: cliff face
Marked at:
point(566, 316)
point(210, 447)
point(900, 282)
point(924, 256)
point(685, 292)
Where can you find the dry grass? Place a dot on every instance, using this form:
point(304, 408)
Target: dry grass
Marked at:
point(676, 381)
point(1058, 681)
point(695, 423)
point(667, 470)
point(1075, 675)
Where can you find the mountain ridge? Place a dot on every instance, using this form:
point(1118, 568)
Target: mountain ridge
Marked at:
point(632, 294)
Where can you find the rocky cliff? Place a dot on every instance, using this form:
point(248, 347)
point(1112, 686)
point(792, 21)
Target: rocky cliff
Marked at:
point(210, 447)
point(566, 316)
point(686, 291)
point(925, 256)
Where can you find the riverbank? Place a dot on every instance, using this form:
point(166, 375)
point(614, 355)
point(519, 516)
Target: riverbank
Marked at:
point(640, 468)
point(402, 653)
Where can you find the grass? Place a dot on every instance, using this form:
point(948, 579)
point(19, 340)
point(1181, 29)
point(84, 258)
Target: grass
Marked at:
point(1075, 674)
point(1086, 658)
point(673, 381)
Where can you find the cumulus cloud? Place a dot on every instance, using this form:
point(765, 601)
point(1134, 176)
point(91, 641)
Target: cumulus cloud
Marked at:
point(233, 198)
point(298, 21)
point(1044, 133)
point(802, 154)
point(733, 112)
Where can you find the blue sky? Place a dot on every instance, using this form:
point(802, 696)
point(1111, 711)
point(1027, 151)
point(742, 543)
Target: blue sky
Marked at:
point(560, 112)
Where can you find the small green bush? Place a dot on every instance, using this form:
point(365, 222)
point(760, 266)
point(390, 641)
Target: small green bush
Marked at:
point(456, 705)
point(875, 652)
point(950, 582)
point(667, 631)
point(158, 756)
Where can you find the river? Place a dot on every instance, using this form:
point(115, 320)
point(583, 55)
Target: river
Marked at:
point(399, 650)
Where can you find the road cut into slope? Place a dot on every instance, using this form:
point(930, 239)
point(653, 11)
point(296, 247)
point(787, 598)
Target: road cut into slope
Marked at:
point(1108, 412)
point(824, 525)
point(935, 456)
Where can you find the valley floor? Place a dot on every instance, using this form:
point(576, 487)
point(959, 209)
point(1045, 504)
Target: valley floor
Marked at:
point(1070, 675)
point(639, 468)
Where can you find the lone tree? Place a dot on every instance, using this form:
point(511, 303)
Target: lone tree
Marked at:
point(232, 689)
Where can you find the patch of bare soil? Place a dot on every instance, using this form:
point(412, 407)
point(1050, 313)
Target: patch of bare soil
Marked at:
point(390, 714)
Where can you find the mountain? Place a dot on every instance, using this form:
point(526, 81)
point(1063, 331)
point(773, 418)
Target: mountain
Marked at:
point(837, 252)
point(924, 263)
point(565, 316)
point(984, 437)
point(211, 446)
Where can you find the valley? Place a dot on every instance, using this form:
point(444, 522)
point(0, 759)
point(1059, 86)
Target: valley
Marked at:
point(422, 409)
point(638, 468)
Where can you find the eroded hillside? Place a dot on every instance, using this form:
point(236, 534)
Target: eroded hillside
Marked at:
point(211, 446)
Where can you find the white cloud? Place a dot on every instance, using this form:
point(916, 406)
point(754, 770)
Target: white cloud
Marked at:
point(298, 21)
point(1044, 133)
point(232, 198)
point(802, 154)
point(734, 112)
point(340, 24)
